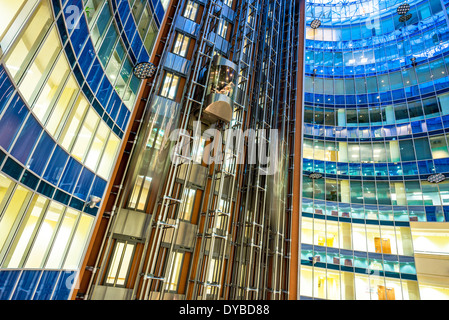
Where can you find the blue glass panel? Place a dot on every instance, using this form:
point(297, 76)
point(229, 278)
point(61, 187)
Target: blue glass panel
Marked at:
point(125, 122)
point(434, 124)
point(115, 109)
point(61, 29)
point(130, 29)
point(46, 189)
point(441, 165)
point(8, 280)
point(121, 116)
point(56, 165)
point(409, 168)
point(426, 167)
point(88, 93)
point(70, 176)
point(46, 285)
point(431, 214)
point(343, 168)
point(95, 74)
point(6, 88)
point(80, 32)
point(30, 180)
point(64, 286)
point(26, 140)
point(105, 91)
point(83, 186)
point(318, 166)
point(12, 121)
point(12, 168)
point(62, 197)
point(354, 169)
point(56, 6)
point(143, 56)
point(113, 103)
point(27, 284)
point(87, 57)
point(446, 213)
point(41, 154)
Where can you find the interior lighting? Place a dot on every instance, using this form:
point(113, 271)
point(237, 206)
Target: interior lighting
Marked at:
point(144, 70)
point(315, 175)
point(436, 178)
point(315, 24)
point(403, 9)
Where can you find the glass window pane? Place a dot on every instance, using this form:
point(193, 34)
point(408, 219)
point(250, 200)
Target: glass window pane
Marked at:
point(73, 122)
point(62, 108)
point(62, 239)
point(40, 67)
point(51, 90)
point(125, 264)
point(97, 146)
point(85, 135)
point(25, 47)
point(11, 216)
point(109, 156)
point(45, 235)
point(26, 233)
point(79, 242)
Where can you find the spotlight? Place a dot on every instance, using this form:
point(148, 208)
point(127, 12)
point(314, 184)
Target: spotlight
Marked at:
point(436, 178)
point(315, 175)
point(144, 70)
point(413, 59)
point(315, 24)
point(405, 17)
point(403, 9)
point(94, 200)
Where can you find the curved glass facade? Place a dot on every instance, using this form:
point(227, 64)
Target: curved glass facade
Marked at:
point(67, 93)
point(376, 117)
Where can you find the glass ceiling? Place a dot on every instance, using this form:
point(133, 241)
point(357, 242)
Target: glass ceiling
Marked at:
point(350, 9)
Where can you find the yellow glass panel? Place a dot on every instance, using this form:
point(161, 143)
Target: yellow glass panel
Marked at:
point(172, 285)
point(115, 263)
point(12, 214)
point(27, 44)
point(124, 267)
point(97, 146)
point(45, 235)
point(73, 123)
point(50, 90)
point(5, 183)
point(135, 193)
point(62, 239)
point(85, 135)
point(109, 156)
point(9, 10)
point(40, 67)
point(61, 109)
point(144, 194)
point(26, 233)
point(190, 198)
point(79, 242)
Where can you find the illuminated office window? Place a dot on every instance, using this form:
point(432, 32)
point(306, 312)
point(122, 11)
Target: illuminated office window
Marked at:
point(181, 45)
point(191, 10)
point(170, 86)
point(120, 263)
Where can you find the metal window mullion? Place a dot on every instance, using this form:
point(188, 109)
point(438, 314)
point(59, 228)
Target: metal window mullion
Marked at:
point(4, 250)
point(70, 241)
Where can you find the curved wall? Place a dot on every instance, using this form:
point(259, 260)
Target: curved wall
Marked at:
point(66, 95)
point(375, 120)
